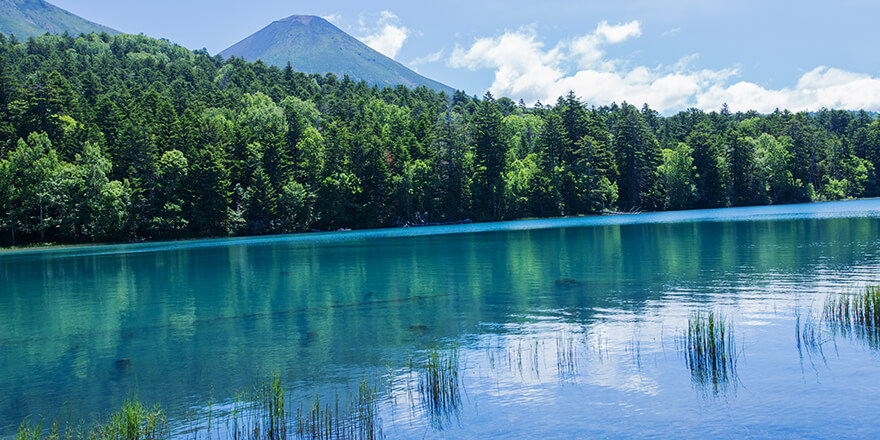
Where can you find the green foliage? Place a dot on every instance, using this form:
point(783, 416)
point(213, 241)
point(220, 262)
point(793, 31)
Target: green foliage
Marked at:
point(490, 147)
point(142, 139)
point(677, 177)
point(638, 156)
point(171, 175)
point(773, 163)
point(295, 207)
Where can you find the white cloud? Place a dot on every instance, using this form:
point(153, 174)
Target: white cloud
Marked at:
point(620, 32)
point(522, 67)
point(588, 48)
point(525, 68)
point(332, 18)
point(820, 87)
point(427, 59)
point(388, 36)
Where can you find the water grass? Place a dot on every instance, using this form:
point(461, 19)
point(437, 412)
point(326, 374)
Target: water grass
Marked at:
point(566, 356)
point(440, 383)
point(262, 413)
point(810, 335)
point(356, 420)
point(856, 315)
point(272, 409)
point(133, 421)
point(710, 350)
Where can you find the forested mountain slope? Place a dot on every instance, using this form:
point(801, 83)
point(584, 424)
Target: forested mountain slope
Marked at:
point(107, 138)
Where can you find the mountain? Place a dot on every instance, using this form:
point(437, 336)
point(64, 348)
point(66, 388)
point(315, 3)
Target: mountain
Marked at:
point(30, 18)
point(312, 45)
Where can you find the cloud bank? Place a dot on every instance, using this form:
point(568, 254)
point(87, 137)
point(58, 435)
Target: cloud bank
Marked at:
point(388, 36)
point(525, 68)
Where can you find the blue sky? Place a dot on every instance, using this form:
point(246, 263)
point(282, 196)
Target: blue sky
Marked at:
point(671, 54)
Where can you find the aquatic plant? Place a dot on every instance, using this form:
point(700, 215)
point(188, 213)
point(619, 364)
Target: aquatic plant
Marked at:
point(272, 410)
point(566, 356)
point(810, 335)
point(319, 422)
point(261, 413)
point(134, 421)
point(856, 314)
point(440, 383)
point(366, 412)
point(710, 350)
point(26, 431)
point(358, 420)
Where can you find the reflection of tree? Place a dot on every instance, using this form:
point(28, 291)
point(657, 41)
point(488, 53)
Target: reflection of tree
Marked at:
point(192, 317)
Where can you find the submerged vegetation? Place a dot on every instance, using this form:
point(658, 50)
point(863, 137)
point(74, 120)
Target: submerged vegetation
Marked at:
point(119, 138)
point(710, 350)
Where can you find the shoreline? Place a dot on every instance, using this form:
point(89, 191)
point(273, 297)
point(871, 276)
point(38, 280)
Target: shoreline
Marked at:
point(74, 246)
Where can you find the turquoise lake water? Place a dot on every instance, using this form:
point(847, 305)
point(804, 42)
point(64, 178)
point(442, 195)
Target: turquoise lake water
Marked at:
point(564, 328)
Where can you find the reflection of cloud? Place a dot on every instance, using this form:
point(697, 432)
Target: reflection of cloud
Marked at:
point(525, 68)
point(388, 36)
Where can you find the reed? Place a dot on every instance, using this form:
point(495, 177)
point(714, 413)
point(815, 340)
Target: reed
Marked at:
point(319, 421)
point(272, 409)
point(366, 412)
point(566, 356)
point(810, 335)
point(356, 420)
point(262, 413)
point(856, 314)
point(134, 421)
point(440, 383)
point(710, 349)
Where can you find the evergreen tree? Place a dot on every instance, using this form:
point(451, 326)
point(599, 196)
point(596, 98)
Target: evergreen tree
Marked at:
point(710, 177)
point(490, 149)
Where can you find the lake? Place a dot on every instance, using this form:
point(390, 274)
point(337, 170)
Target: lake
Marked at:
point(562, 328)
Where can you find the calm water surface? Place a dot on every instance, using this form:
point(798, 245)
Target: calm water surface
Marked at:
point(565, 328)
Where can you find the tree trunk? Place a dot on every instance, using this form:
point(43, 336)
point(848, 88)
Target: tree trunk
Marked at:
point(42, 226)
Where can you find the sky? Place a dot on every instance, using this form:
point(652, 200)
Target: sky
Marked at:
point(673, 55)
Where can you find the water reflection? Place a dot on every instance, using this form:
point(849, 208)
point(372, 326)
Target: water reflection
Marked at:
point(544, 318)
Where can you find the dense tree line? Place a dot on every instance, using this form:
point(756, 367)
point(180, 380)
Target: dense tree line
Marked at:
point(123, 138)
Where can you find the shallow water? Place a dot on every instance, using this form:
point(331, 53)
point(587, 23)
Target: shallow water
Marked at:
point(565, 328)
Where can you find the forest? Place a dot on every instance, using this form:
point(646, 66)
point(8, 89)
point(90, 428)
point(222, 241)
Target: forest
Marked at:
point(127, 138)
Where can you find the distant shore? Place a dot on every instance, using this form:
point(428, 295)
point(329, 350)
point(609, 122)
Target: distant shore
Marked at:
point(55, 246)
